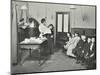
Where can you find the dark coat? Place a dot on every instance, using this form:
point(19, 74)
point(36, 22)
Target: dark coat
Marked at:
point(21, 34)
point(78, 50)
point(93, 51)
point(86, 48)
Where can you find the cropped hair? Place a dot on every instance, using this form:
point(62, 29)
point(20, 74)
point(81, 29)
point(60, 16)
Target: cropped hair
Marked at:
point(30, 20)
point(43, 20)
point(69, 34)
point(21, 19)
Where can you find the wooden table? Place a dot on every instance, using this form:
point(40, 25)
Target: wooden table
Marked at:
point(31, 47)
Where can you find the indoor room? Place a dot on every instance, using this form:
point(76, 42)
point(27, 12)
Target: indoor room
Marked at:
point(47, 37)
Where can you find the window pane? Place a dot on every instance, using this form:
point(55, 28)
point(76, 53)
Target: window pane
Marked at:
point(59, 23)
point(65, 23)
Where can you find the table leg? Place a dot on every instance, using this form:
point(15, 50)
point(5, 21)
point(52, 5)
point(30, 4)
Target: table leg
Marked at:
point(30, 52)
point(23, 58)
point(39, 56)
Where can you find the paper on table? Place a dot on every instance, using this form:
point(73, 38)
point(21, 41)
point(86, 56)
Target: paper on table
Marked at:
point(33, 40)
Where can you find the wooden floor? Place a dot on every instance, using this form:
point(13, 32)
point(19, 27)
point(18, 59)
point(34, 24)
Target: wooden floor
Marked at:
point(57, 62)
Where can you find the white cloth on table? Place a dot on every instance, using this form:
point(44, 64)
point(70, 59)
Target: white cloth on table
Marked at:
point(33, 40)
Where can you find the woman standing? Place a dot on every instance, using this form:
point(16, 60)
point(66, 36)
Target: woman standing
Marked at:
point(51, 38)
point(33, 30)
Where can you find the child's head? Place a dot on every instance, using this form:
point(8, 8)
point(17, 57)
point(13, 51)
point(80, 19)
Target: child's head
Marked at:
point(51, 26)
point(69, 34)
point(83, 37)
point(43, 21)
point(76, 34)
point(30, 20)
point(88, 40)
point(93, 40)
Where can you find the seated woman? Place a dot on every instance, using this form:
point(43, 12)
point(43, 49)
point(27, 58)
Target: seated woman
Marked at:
point(78, 50)
point(72, 44)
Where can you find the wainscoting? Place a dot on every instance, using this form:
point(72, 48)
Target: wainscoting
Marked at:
point(86, 31)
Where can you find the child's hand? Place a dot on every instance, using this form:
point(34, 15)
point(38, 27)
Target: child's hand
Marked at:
point(92, 55)
point(51, 36)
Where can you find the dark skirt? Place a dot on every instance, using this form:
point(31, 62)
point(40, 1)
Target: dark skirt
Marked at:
point(33, 32)
point(78, 52)
point(21, 34)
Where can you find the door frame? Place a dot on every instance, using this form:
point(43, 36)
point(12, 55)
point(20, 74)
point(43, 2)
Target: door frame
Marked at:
point(55, 31)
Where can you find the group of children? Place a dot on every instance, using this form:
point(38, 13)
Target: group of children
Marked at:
point(82, 48)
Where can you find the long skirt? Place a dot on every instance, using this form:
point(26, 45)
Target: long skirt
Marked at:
point(33, 32)
point(69, 50)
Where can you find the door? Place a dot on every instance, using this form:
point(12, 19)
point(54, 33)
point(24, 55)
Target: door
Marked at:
point(62, 22)
point(62, 25)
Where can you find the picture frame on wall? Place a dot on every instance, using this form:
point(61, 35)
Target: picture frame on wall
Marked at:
point(52, 37)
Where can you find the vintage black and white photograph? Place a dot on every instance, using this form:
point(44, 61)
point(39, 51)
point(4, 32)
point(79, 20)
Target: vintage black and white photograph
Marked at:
point(52, 37)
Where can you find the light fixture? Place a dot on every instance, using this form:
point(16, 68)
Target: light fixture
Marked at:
point(23, 7)
point(23, 14)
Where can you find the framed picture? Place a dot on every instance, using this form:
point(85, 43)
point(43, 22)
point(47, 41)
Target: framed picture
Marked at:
point(52, 37)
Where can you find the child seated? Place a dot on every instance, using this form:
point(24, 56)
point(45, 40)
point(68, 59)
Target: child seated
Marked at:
point(78, 49)
point(71, 45)
point(91, 59)
point(86, 50)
